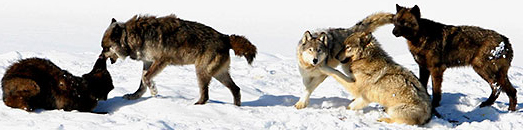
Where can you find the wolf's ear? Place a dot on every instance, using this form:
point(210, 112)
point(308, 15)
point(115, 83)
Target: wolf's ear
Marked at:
point(365, 39)
point(323, 38)
point(415, 11)
point(398, 8)
point(113, 20)
point(306, 36)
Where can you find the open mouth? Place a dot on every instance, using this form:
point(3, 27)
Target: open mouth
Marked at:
point(346, 60)
point(113, 60)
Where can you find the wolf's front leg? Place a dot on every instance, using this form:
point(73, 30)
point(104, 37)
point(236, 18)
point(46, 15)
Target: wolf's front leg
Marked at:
point(141, 90)
point(358, 104)
point(154, 70)
point(340, 77)
point(310, 83)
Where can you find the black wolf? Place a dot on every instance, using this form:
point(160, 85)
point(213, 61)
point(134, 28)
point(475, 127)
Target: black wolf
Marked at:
point(35, 83)
point(437, 46)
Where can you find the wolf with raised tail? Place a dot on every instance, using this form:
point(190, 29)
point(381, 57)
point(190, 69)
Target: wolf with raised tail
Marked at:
point(169, 40)
point(323, 46)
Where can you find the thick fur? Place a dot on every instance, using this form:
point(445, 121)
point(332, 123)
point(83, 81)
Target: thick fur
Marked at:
point(162, 41)
point(436, 47)
point(35, 83)
point(379, 79)
point(323, 46)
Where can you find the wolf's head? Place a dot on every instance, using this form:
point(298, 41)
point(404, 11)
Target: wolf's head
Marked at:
point(406, 21)
point(313, 50)
point(355, 44)
point(99, 80)
point(113, 43)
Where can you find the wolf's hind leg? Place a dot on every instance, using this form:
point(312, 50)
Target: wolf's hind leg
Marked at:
point(18, 91)
point(498, 81)
point(225, 78)
point(411, 114)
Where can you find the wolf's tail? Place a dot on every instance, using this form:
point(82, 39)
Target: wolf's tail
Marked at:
point(243, 47)
point(372, 22)
point(508, 47)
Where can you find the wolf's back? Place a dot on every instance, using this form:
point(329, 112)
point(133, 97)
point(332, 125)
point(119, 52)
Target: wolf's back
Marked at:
point(372, 22)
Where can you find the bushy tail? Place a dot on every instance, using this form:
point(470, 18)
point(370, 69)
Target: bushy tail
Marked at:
point(372, 22)
point(508, 47)
point(243, 47)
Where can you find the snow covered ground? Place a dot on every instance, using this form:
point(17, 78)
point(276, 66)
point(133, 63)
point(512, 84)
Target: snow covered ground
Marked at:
point(269, 89)
point(69, 34)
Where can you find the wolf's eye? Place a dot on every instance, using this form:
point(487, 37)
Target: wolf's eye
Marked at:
point(310, 49)
point(348, 48)
point(319, 50)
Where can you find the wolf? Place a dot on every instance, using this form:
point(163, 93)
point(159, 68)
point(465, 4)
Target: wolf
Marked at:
point(169, 40)
point(436, 47)
point(36, 83)
point(323, 45)
point(379, 79)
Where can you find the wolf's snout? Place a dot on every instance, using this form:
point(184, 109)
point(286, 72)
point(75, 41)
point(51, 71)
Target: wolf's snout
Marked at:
point(314, 61)
point(396, 32)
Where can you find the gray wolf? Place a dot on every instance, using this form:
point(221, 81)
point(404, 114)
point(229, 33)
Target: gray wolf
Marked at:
point(436, 47)
point(379, 79)
point(323, 46)
point(36, 83)
point(162, 41)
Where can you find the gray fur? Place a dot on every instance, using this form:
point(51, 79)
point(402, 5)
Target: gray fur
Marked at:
point(168, 40)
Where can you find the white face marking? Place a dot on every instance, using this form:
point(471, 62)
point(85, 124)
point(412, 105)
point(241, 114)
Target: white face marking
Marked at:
point(113, 51)
point(308, 57)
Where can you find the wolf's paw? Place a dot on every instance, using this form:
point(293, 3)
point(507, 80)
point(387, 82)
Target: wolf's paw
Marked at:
point(131, 96)
point(388, 120)
point(152, 87)
point(485, 103)
point(200, 103)
point(352, 108)
point(237, 100)
point(153, 90)
point(300, 105)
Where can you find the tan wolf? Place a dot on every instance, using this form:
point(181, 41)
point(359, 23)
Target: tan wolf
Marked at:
point(323, 46)
point(379, 79)
point(436, 47)
point(162, 41)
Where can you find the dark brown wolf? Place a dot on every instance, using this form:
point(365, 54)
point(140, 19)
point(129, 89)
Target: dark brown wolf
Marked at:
point(162, 41)
point(35, 83)
point(436, 47)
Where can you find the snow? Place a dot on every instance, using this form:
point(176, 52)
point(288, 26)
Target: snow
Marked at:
point(69, 34)
point(269, 89)
point(498, 51)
